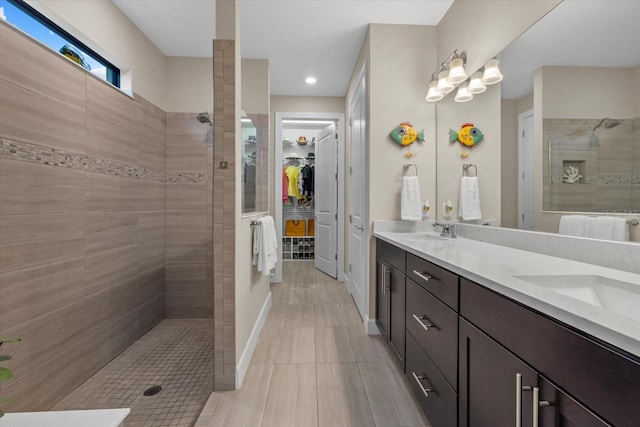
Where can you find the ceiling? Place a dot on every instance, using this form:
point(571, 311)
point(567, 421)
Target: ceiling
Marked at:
point(594, 33)
point(300, 38)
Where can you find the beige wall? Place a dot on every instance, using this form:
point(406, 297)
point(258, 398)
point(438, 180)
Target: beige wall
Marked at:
point(252, 287)
point(189, 83)
point(483, 111)
point(397, 88)
point(483, 28)
point(104, 28)
point(82, 221)
point(509, 164)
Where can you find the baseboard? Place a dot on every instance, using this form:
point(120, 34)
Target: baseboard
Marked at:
point(372, 327)
point(247, 353)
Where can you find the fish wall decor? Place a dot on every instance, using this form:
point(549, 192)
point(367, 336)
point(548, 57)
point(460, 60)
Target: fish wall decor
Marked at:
point(468, 136)
point(405, 135)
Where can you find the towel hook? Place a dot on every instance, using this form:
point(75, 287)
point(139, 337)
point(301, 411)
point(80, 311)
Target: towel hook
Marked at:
point(466, 167)
point(407, 166)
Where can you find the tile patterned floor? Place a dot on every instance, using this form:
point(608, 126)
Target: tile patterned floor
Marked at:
point(315, 366)
point(176, 354)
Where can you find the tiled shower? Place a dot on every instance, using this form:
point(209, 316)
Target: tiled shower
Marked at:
point(105, 222)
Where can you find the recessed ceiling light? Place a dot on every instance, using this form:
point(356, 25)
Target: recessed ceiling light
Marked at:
point(310, 80)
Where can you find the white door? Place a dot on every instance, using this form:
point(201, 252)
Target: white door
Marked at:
point(357, 188)
point(326, 201)
point(525, 187)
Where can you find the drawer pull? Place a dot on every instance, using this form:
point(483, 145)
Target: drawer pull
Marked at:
point(426, 325)
point(424, 276)
point(537, 403)
point(424, 390)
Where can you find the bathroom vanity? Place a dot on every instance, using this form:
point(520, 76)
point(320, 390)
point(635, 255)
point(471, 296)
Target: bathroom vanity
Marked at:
point(497, 336)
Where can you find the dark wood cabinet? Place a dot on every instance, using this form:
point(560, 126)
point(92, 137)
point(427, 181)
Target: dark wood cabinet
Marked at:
point(390, 297)
point(488, 377)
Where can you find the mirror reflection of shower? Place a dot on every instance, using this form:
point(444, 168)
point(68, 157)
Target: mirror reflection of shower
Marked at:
point(204, 118)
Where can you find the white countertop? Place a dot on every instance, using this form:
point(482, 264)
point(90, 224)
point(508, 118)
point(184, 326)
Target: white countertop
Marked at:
point(615, 319)
point(84, 418)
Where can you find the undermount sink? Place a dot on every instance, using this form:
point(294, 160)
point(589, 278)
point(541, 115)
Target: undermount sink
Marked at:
point(423, 237)
point(622, 298)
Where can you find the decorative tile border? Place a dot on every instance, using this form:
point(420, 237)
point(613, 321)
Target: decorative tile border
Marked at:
point(34, 153)
point(188, 178)
point(604, 179)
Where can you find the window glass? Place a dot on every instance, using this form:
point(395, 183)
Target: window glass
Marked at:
point(30, 21)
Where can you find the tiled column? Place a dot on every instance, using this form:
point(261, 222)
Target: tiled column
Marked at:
point(224, 212)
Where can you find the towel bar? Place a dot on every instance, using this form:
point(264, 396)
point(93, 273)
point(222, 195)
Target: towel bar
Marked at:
point(407, 166)
point(633, 221)
point(255, 223)
point(466, 167)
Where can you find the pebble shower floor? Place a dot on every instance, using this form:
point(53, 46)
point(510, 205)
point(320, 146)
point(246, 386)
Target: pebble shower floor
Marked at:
point(177, 354)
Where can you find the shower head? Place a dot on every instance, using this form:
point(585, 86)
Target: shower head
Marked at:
point(607, 123)
point(204, 118)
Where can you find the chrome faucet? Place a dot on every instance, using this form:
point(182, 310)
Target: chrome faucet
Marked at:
point(448, 230)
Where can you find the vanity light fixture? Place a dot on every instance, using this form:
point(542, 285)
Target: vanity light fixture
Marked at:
point(475, 85)
point(434, 95)
point(457, 74)
point(310, 80)
point(463, 94)
point(492, 74)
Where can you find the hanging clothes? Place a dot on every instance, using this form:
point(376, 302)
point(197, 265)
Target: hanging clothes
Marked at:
point(285, 185)
point(293, 174)
point(307, 180)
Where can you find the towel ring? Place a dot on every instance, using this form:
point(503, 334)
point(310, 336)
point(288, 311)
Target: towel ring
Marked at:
point(466, 167)
point(407, 166)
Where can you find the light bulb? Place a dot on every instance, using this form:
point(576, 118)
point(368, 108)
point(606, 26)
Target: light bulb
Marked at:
point(444, 87)
point(433, 95)
point(492, 73)
point(463, 94)
point(457, 73)
point(475, 85)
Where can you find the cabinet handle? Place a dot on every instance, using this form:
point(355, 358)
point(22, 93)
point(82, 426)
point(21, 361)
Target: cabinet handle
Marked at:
point(519, 389)
point(424, 390)
point(385, 286)
point(421, 320)
point(424, 276)
point(537, 403)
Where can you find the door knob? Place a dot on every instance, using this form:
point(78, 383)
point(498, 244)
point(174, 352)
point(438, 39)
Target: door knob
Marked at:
point(360, 227)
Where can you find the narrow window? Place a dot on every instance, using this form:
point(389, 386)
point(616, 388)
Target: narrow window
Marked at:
point(33, 23)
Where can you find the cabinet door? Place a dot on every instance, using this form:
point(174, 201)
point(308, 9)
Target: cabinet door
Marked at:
point(383, 283)
point(396, 317)
point(557, 409)
point(495, 386)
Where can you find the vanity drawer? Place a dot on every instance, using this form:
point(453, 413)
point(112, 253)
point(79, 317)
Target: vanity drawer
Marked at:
point(390, 253)
point(603, 379)
point(438, 400)
point(440, 282)
point(435, 327)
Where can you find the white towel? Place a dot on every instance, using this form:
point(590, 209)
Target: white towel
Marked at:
point(575, 225)
point(469, 208)
point(410, 204)
point(609, 228)
point(265, 245)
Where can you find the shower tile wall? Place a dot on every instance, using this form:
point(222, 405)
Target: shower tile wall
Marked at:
point(189, 217)
point(82, 221)
point(608, 167)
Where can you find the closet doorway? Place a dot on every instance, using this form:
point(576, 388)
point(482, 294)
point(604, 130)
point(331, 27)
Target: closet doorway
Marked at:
point(309, 177)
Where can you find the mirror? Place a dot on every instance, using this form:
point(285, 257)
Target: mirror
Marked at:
point(254, 163)
point(578, 69)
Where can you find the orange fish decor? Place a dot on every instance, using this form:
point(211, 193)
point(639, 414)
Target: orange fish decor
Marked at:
point(468, 136)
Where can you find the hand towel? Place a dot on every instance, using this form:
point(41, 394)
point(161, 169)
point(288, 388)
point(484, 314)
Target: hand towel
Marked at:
point(469, 199)
point(265, 245)
point(575, 225)
point(621, 230)
point(601, 228)
point(410, 204)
